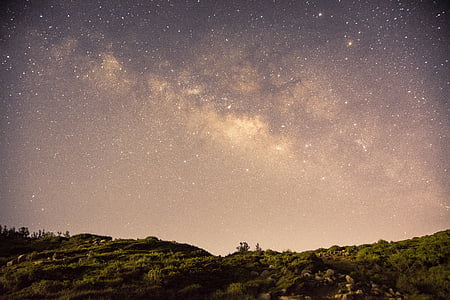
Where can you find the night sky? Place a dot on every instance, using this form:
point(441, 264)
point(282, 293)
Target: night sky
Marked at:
point(294, 124)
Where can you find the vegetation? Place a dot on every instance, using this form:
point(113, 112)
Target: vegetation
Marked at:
point(87, 266)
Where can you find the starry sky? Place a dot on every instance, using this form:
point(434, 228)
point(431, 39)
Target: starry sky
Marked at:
point(294, 124)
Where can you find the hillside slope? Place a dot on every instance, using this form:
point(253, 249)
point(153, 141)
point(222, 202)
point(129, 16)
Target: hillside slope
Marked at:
point(97, 267)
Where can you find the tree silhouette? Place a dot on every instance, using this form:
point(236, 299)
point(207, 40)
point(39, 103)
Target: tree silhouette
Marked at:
point(243, 247)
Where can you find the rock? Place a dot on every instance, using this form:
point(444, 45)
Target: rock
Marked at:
point(254, 273)
point(349, 279)
point(350, 287)
point(21, 258)
point(329, 281)
point(318, 277)
point(265, 273)
point(329, 273)
point(263, 296)
point(11, 263)
point(306, 273)
point(359, 292)
point(376, 291)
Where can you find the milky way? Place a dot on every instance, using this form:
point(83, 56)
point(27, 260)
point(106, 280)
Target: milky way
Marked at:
point(294, 124)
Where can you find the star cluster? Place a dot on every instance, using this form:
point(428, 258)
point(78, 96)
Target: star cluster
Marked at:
point(295, 124)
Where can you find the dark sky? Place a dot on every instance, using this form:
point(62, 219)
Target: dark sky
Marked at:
point(295, 124)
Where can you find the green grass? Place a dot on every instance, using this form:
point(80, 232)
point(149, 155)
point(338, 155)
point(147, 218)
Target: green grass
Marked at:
point(97, 267)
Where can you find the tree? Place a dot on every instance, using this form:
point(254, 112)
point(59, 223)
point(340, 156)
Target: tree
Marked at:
point(24, 232)
point(243, 247)
point(257, 247)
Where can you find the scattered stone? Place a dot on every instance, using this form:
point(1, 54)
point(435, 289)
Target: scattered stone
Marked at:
point(11, 263)
point(359, 292)
point(350, 287)
point(263, 296)
point(329, 273)
point(307, 275)
point(376, 291)
point(21, 258)
point(349, 279)
point(265, 273)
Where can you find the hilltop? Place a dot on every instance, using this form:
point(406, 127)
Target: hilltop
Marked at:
point(88, 266)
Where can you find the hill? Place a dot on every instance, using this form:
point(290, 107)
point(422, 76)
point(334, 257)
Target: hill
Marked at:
point(88, 266)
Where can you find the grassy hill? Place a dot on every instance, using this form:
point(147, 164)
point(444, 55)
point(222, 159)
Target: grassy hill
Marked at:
point(88, 266)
